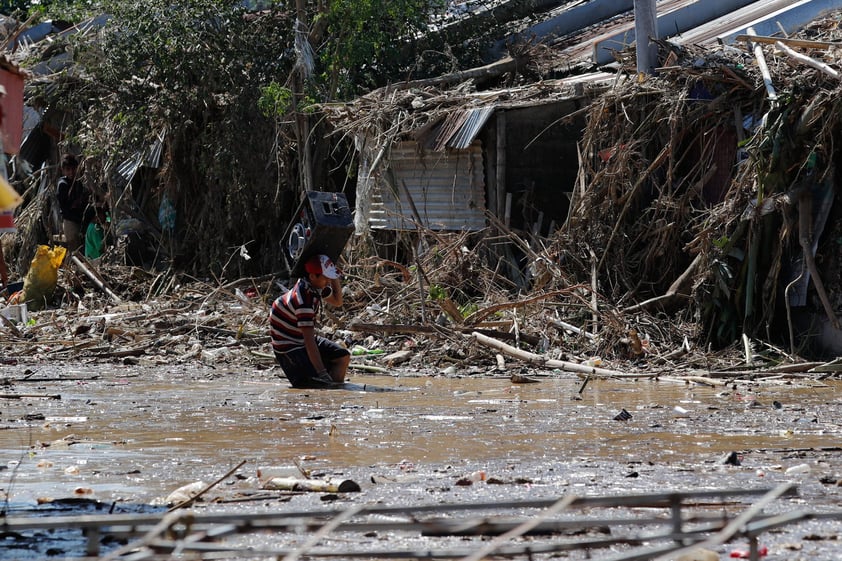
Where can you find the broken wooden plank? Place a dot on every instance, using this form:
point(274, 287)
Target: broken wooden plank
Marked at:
point(803, 43)
point(796, 367)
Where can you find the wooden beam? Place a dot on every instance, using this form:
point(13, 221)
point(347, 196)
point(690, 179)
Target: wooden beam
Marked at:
point(803, 43)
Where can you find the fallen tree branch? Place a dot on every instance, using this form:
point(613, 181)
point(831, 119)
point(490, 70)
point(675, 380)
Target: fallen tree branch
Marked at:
point(673, 292)
point(492, 70)
point(480, 315)
point(805, 239)
point(808, 60)
point(100, 284)
point(311, 485)
point(551, 363)
point(570, 327)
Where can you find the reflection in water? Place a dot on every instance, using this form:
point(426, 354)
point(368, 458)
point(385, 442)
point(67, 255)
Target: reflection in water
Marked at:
point(131, 437)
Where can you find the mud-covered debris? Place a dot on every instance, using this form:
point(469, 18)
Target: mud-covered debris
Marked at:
point(312, 485)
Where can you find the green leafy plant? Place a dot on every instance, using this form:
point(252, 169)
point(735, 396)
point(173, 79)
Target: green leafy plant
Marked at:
point(275, 100)
point(468, 309)
point(437, 292)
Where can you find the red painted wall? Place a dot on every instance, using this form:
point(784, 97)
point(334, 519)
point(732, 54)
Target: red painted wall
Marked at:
point(12, 107)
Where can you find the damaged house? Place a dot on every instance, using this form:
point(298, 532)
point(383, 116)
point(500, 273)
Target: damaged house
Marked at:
point(678, 196)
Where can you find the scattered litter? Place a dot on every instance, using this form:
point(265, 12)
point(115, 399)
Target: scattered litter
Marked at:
point(185, 492)
point(699, 555)
point(311, 485)
point(623, 415)
point(746, 554)
point(800, 468)
point(731, 459)
point(470, 479)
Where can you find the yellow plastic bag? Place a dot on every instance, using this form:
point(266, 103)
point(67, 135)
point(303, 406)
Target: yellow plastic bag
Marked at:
point(42, 277)
point(9, 198)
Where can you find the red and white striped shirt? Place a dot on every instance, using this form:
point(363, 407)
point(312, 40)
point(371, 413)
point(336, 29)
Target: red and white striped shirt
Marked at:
point(291, 311)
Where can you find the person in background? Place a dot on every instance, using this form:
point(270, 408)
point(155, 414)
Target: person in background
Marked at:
point(308, 360)
point(95, 234)
point(4, 272)
point(7, 225)
point(73, 199)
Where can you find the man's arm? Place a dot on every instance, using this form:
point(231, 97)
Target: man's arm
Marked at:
point(313, 354)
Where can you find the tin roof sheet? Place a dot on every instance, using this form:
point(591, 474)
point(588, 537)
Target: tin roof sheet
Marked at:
point(447, 189)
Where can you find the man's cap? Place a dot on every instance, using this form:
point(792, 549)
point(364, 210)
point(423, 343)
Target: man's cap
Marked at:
point(321, 265)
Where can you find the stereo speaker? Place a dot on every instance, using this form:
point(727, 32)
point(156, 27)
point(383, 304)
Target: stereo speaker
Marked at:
point(321, 225)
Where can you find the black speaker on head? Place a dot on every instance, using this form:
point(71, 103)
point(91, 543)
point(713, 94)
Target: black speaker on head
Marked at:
point(321, 225)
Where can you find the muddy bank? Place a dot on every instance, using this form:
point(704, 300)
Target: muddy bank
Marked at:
point(123, 438)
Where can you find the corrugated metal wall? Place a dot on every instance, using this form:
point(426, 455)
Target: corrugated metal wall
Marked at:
point(447, 187)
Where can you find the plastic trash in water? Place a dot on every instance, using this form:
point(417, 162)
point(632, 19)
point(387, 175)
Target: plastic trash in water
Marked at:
point(800, 468)
point(623, 415)
point(477, 476)
point(746, 554)
point(731, 459)
point(185, 492)
point(471, 478)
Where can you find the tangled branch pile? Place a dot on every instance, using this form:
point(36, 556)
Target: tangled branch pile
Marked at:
point(697, 188)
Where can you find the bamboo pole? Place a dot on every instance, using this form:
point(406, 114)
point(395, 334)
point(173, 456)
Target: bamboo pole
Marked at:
point(764, 69)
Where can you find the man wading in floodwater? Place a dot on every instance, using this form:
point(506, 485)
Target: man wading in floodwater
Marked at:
point(308, 360)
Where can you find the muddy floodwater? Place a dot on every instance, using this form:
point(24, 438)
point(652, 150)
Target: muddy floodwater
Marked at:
point(129, 435)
